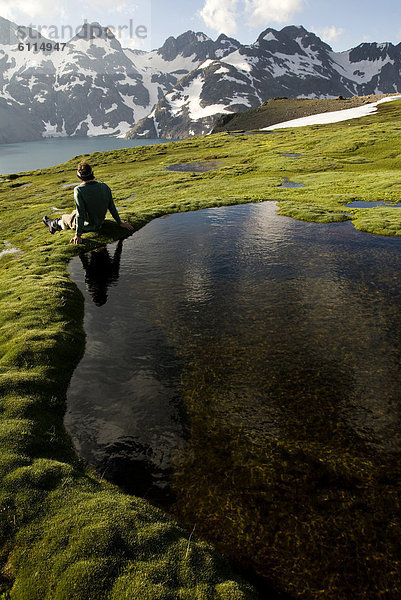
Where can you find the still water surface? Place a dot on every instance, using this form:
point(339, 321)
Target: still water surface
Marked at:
point(27, 156)
point(216, 337)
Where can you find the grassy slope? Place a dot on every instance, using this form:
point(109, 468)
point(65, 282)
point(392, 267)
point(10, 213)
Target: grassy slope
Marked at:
point(279, 110)
point(64, 533)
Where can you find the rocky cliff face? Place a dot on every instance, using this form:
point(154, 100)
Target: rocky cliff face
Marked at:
point(96, 87)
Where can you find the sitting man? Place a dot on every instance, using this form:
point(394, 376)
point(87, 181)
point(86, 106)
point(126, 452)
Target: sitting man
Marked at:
point(92, 200)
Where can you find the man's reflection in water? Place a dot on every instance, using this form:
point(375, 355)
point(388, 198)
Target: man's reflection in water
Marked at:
point(101, 271)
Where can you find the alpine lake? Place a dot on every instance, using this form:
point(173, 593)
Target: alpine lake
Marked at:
point(242, 371)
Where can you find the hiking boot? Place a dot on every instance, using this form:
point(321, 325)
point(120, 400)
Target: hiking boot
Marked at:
point(52, 224)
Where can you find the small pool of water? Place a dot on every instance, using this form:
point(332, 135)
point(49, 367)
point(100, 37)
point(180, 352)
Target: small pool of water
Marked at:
point(363, 204)
point(243, 370)
point(291, 184)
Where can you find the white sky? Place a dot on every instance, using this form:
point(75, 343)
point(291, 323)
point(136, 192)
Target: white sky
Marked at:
point(342, 24)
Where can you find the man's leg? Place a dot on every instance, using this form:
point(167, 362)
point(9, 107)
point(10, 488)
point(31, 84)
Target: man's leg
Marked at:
point(65, 222)
point(68, 221)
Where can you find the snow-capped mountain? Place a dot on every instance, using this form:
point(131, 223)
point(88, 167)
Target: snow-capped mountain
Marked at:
point(196, 100)
point(88, 88)
point(292, 62)
point(93, 86)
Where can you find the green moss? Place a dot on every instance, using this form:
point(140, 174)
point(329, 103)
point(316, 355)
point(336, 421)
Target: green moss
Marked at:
point(384, 221)
point(64, 532)
point(311, 212)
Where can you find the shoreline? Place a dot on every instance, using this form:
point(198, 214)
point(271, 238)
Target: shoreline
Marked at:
point(49, 488)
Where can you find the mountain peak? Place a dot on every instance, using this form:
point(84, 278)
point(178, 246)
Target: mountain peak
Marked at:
point(224, 39)
point(11, 33)
point(303, 37)
point(186, 44)
point(374, 51)
point(294, 30)
point(96, 35)
point(190, 35)
point(92, 31)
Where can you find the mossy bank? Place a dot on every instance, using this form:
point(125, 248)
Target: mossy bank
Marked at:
point(65, 532)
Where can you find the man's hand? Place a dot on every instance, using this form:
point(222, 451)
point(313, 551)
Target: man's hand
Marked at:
point(126, 225)
point(76, 240)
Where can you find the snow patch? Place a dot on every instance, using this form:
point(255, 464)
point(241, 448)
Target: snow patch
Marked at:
point(51, 130)
point(269, 37)
point(234, 80)
point(333, 117)
point(240, 100)
point(156, 126)
point(93, 130)
point(144, 133)
point(241, 62)
point(222, 70)
point(298, 65)
point(113, 107)
point(360, 72)
point(206, 63)
point(190, 99)
point(156, 63)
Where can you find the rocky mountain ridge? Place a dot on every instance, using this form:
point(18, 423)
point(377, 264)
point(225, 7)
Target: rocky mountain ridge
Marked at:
point(291, 63)
point(94, 86)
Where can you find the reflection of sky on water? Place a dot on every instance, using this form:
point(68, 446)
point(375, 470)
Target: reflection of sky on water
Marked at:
point(341, 287)
point(292, 326)
point(302, 284)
